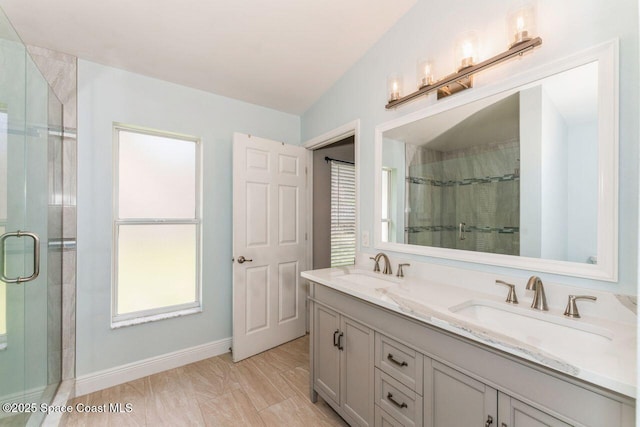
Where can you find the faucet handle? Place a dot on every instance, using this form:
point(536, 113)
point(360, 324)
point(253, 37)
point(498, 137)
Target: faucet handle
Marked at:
point(376, 267)
point(512, 298)
point(400, 271)
point(572, 308)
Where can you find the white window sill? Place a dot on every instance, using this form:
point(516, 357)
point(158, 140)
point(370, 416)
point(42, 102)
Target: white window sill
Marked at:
point(116, 324)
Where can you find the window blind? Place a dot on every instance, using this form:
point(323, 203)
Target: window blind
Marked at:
point(343, 214)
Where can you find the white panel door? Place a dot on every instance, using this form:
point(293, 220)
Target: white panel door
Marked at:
point(269, 248)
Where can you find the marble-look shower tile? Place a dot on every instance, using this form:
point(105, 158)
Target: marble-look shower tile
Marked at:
point(69, 223)
point(54, 267)
point(69, 266)
point(55, 171)
point(68, 363)
point(60, 71)
point(68, 313)
point(54, 317)
point(54, 221)
point(54, 366)
point(70, 166)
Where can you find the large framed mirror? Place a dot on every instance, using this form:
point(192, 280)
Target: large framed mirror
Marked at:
point(522, 174)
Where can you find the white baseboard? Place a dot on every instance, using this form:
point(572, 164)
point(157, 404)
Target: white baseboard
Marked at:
point(132, 371)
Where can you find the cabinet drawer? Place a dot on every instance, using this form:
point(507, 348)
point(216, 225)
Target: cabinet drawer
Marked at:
point(399, 401)
point(399, 361)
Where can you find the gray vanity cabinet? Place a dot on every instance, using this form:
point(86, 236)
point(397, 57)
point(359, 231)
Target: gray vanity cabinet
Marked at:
point(343, 364)
point(326, 333)
point(514, 413)
point(386, 369)
point(457, 400)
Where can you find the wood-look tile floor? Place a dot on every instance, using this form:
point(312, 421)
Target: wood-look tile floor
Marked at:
point(269, 389)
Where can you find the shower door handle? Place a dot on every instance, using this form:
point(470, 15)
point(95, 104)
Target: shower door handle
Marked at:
point(36, 256)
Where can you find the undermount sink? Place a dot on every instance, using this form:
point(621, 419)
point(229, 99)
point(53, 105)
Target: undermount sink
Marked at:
point(366, 281)
point(540, 329)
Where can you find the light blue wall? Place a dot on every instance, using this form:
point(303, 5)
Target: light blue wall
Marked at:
point(107, 95)
point(430, 29)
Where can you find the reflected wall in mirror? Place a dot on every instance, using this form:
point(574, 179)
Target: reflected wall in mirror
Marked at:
point(515, 174)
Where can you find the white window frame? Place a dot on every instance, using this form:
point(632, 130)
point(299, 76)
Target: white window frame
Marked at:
point(150, 315)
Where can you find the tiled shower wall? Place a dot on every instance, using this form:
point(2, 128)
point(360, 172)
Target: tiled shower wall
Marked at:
point(476, 186)
point(60, 71)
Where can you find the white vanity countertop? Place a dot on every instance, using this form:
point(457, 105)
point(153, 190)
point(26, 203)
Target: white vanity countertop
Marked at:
point(595, 349)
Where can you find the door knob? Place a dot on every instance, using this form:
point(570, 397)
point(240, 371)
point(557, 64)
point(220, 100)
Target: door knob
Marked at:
point(242, 259)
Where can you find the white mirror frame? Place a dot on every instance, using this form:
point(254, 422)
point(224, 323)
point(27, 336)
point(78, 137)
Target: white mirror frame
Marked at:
point(607, 250)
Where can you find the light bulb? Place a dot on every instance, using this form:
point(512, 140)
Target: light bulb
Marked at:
point(394, 87)
point(424, 73)
point(521, 23)
point(466, 50)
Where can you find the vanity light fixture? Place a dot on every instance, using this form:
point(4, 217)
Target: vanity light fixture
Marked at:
point(521, 24)
point(394, 87)
point(424, 73)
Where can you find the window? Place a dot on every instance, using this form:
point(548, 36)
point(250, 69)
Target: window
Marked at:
point(343, 213)
point(386, 204)
point(156, 225)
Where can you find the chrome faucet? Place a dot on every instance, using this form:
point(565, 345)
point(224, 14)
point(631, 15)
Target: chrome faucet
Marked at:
point(387, 264)
point(539, 298)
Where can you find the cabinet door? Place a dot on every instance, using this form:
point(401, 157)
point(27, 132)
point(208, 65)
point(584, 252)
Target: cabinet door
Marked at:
point(514, 413)
point(357, 371)
point(326, 359)
point(385, 420)
point(456, 400)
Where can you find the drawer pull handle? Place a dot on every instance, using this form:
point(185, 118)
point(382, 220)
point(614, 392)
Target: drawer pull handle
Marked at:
point(340, 346)
point(335, 336)
point(395, 402)
point(489, 421)
point(390, 358)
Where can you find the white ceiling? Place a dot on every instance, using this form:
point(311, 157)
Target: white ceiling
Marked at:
point(282, 54)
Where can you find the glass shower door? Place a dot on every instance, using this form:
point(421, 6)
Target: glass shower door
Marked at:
point(30, 271)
